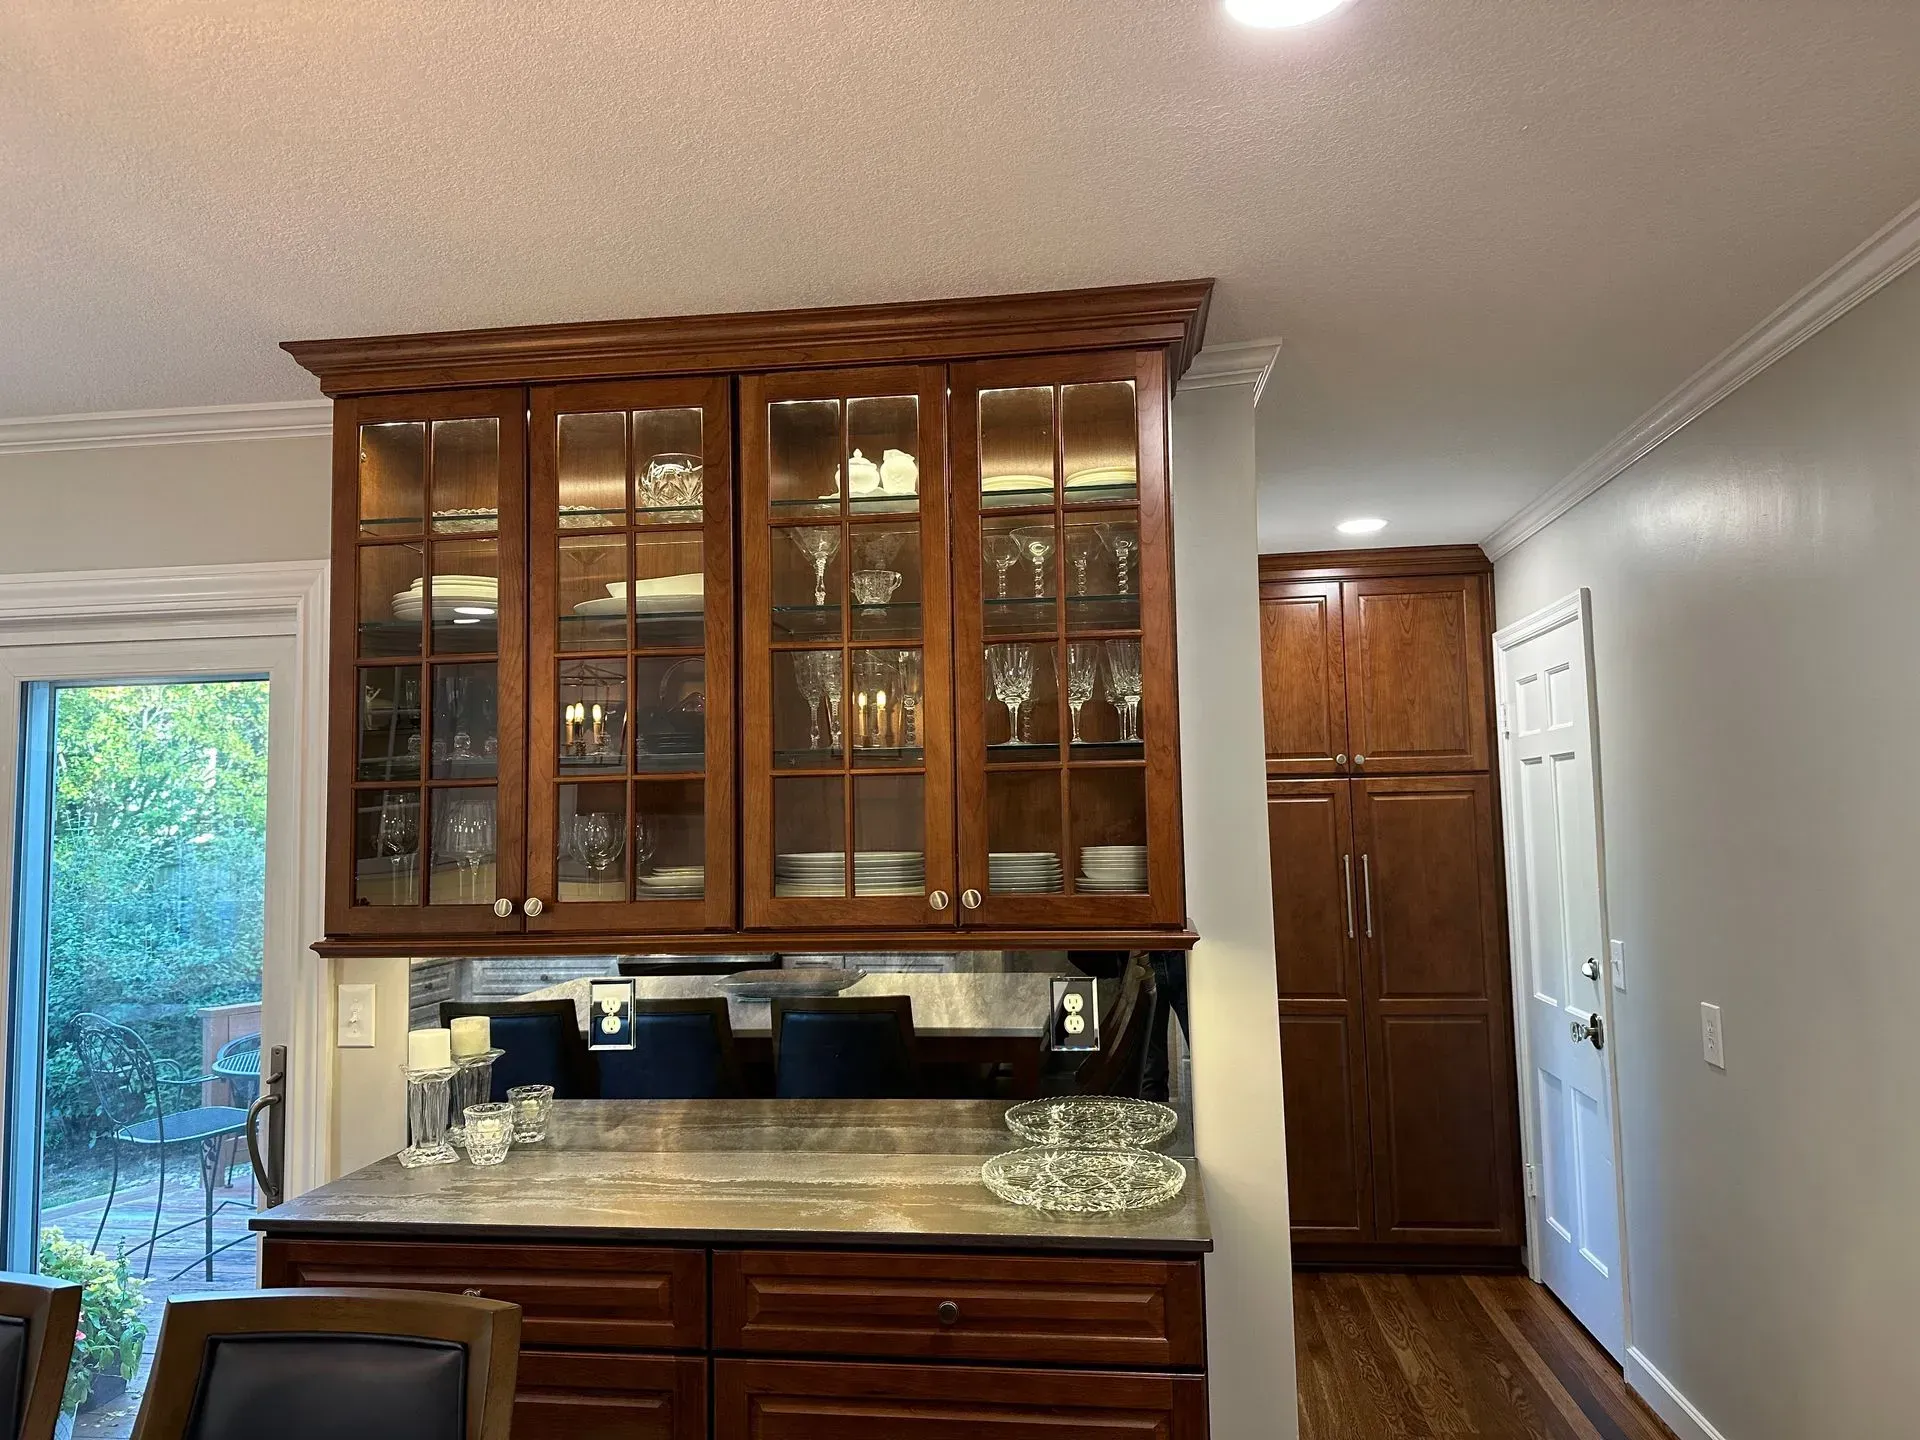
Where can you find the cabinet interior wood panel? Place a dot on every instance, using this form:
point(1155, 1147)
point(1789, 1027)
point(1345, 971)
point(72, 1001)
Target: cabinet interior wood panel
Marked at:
point(1439, 1154)
point(1306, 703)
point(1326, 1111)
point(1417, 674)
point(1429, 888)
point(1309, 838)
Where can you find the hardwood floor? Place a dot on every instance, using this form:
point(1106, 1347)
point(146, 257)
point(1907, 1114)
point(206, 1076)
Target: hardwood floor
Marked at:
point(1416, 1356)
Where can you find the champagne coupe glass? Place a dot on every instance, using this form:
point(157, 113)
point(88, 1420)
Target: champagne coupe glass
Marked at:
point(1036, 543)
point(1003, 554)
point(1083, 666)
point(819, 543)
point(1124, 541)
point(1123, 684)
point(1083, 548)
point(1011, 667)
point(813, 686)
point(597, 841)
point(399, 832)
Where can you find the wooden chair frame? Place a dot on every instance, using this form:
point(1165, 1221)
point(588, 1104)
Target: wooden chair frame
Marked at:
point(51, 1309)
point(489, 1329)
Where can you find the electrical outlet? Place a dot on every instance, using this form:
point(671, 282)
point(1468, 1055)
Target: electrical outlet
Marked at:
point(1617, 950)
point(355, 1026)
point(1713, 1041)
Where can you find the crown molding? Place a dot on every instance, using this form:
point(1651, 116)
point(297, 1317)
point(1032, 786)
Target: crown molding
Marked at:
point(111, 429)
point(1247, 363)
point(1879, 260)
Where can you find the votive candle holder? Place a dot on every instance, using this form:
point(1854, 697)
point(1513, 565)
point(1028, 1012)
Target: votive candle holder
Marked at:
point(531, 1106)
point(489, 1132)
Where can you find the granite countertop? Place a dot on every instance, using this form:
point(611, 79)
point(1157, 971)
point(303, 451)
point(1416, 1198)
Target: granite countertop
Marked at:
point(861, 1172)
point(1000, 1004)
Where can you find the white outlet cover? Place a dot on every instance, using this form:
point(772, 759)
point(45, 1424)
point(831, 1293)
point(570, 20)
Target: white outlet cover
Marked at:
point(353, 1026)
point(1617, 951)
point(1713, 1036)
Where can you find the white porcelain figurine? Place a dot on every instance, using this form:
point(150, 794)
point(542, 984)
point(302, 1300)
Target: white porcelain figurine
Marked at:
point(899, 475)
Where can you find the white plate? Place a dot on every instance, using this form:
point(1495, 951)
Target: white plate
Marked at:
point(669, 585)
point(1113, 850)
point(675, 872)
point(616, 606)
point(1023, 855)
point(1000, 484)
point(464, 582)
point(1103, 475)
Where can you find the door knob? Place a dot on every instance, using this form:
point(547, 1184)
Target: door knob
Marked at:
point(970, 899)
point(1590, 968)
point(1592, 1030)
point(503, 907)
point(939, 900)
point(534, 905)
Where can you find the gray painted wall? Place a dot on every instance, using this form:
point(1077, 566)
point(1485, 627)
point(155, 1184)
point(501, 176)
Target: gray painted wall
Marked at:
point(1756, 612)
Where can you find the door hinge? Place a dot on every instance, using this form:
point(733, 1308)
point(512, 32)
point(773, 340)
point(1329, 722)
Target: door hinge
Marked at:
point(1506, 729)
point(1533, 1184)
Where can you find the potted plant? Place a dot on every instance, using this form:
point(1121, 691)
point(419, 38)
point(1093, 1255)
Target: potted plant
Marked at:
point(113, 1331)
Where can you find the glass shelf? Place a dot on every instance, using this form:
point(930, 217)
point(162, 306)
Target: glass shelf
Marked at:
point(904, 504)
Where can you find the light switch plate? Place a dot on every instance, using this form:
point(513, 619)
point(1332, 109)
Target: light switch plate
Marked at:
point(1617, 952)
point(1713, 1040)
point(354, 1027)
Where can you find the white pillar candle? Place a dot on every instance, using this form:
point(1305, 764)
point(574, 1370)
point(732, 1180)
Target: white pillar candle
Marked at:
point(472, 1035)
point(429, 1049)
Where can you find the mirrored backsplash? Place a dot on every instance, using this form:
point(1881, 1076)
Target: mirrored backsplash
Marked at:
point(997, 1025)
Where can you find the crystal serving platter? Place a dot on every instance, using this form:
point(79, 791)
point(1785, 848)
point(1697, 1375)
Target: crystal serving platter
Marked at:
point(1084, 1182)
point(1100, 1122)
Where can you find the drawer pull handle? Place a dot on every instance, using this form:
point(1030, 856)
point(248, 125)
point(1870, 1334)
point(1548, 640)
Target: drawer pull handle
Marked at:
point(475, 1291)
point(948, 1312)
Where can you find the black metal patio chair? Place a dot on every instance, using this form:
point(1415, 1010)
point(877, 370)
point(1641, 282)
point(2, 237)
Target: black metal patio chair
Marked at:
point(130, 1088)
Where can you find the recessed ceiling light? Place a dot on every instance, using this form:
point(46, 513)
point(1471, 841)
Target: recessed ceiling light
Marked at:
point(1362, 525)
point(1280, 14)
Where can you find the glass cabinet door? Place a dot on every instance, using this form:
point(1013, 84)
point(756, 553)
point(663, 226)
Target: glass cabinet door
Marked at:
point(1064, 668)
point(847, 770)
point(630, 689)
point(429, 630)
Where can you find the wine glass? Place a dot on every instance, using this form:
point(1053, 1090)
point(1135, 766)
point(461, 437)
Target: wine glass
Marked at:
point(829, 661)
point(813, 686)
point(1011, 667)
point(1003, 554)
point(1083, 666)
point(1036, 543)
point(597, 841)
point(1124, 541)
point(469, 844)
point(1083, 548)
point(398, 833)
point(1123, 684)
point(819, 543)
point(646, 840)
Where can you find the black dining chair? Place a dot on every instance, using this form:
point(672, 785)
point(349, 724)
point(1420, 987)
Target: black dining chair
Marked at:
point(845, 1048)
point(308, 1363)
point(542, 1042)
point(682, 1050)
point(38, 1321)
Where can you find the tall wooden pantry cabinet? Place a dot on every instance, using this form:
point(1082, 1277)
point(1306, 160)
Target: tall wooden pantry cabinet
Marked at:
point(1395, 1005)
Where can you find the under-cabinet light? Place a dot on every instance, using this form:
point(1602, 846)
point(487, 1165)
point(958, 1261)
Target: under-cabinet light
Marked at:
point(1362, 525)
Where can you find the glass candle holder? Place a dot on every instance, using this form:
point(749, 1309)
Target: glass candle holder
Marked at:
point(472, 1085)
point(489, 1132)
point(427, 1118)
point(531, 1105)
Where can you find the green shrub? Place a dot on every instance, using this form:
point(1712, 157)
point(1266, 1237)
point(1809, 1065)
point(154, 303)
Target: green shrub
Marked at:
point(113, 1331)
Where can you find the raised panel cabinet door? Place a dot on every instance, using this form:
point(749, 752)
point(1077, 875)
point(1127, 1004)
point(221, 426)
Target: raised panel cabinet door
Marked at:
point(426, 812)
point(630, 695)
point(1416, 655)
point(801, 1400)
point(1303, 677)
point(588, 1395)
point(1439, 1032)
point(1316, 933)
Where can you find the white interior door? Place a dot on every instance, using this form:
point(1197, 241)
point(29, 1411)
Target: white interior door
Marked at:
point(1551, 800)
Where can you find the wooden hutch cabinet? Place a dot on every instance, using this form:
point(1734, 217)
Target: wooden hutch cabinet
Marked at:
point(853, 627)
point(1396, 1014)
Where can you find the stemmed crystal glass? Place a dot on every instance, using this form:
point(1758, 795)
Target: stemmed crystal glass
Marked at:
point(399, 832)
point(1083, 666)
point(1083, 548)
point(646, 840)
point(1011, 667)
point(813, 688)
point(829, 663)
point(597, 841)
point(1003, 553)
point(470, 844)
point(1036, 543)
point(1123, 684)
point(819, 543)
point(1124, 542)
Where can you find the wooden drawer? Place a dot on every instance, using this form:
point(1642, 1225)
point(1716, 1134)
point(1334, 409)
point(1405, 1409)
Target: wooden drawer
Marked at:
point(972, 1307)
point(586, 1395)
point(795, 1400)
point(602, 1296)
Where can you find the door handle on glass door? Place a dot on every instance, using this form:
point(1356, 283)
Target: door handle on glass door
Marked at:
point(939, 900)
point(1346, 874)
point(534, 905)
point(503, 907)
point(1366, 883)
point(970, 899)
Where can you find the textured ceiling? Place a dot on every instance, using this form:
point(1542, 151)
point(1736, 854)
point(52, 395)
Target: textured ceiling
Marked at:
point(1492, 232)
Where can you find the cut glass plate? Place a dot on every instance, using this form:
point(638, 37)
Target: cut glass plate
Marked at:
point(1092, 1121)
point(1084, 1182)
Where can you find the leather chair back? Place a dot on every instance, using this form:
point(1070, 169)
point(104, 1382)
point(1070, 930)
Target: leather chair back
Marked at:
point(38, 1318)
point(839, 1048)
point(683, 1050)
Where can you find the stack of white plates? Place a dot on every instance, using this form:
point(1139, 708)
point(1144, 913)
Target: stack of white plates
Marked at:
point(674, 882)
point(455, 597)
point(822, 873)
point(1112, 867)
point(1023, 872)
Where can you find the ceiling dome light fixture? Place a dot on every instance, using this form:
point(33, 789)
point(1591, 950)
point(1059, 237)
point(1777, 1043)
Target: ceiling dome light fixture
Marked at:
point(1362, 525)
point(1282, 14)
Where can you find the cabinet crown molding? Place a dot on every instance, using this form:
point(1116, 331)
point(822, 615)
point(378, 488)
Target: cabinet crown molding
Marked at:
point(1389, 560)
point(1171, 314)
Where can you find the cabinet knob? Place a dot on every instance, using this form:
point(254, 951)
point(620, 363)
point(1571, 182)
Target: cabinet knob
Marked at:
point(534, 905)
point(948, 1312)
point(1359, 759)
point(939, 900)
point(503, 907)
point(1340, 759)
point(970, 899)
point(475, 1291)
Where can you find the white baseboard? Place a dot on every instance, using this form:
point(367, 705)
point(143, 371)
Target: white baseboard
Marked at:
point(1665, 1401)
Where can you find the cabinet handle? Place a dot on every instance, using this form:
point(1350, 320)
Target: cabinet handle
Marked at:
point(1359, 759)
point(970, 899)
point(1340, 759)
point(1366, 881)
point(1346, 873)
point(503, 907)
point(534, 905)
point(948, 1312)
point(939, 900)
point(474, 1291)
